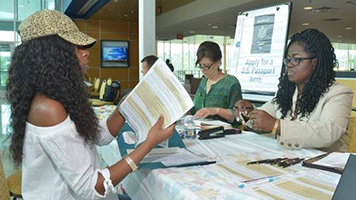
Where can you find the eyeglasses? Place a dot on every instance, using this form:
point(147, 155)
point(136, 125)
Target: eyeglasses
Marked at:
point(206, 67)
point(295, 61)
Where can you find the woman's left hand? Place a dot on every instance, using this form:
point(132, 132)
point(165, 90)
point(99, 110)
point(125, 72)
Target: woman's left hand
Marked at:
point(205, 112)
point(261, 120)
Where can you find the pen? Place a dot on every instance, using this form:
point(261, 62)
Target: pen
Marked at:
point(259, 161)
point(247, 183)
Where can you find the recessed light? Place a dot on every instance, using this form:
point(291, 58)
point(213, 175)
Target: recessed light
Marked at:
point(348, 28)
point(308, 8)
point(125, 15)
point(209, 24)
point(305, 24)
point(215, 27)
point(339, 36)
point(191, 31)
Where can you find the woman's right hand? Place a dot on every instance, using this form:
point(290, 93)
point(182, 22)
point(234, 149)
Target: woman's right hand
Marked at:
point(157, 133)
point(244, 106)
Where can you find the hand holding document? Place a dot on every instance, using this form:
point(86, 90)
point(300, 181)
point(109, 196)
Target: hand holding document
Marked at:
point(159, 92)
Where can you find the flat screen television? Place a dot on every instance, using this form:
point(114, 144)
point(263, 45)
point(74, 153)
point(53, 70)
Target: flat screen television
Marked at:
point(114, 53)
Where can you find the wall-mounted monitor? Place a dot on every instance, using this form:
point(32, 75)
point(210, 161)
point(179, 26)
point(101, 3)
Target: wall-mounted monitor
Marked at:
point(114, 53)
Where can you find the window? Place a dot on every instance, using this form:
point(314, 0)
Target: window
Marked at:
point(182, 53)
point(346, 56)
point(5, 59)
point(7, 10)
point(27, 7)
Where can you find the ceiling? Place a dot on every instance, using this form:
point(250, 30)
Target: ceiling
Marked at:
point(333, 23)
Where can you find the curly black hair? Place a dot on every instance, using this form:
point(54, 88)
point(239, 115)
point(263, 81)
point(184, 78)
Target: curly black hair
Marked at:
point(319, 46)
point(47, 65)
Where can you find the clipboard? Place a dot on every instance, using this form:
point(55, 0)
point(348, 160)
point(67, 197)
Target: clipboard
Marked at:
point(345, 189)
point(310, 163)
point(174, 141)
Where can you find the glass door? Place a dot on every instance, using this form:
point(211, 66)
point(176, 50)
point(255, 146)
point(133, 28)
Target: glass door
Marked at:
point(5, 59)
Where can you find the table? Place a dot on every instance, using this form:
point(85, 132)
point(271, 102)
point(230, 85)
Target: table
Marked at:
point(230, 177)
point(224, 180)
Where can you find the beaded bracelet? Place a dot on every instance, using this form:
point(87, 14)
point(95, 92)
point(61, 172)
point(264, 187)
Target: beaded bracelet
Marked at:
point(130, 162)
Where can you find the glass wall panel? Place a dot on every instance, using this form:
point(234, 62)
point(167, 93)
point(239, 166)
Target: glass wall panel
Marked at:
point(5, 58)
point(50, 4)
point(7, 36)
point(7, 10)
point(27, 7)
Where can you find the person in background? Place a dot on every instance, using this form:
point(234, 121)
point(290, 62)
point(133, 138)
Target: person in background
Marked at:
point(310, 110)
point(170, 65)
point(217, 92)
point(54, 128)
point(147, 63)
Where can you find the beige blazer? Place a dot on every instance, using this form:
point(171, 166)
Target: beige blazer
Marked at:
point(325, 128)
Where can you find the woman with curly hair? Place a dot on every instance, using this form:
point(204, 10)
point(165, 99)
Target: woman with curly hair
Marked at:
point(310, 110)
point(54, 128)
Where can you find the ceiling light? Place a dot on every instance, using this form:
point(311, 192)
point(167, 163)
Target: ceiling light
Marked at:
point(324, 9)
point(215, 27)
point(191, 31)
point(348, 28)
point(339, 36)
point(305, 24)
point(209, 24)
point(308, 8)
point(125, 15)
point(86, 7)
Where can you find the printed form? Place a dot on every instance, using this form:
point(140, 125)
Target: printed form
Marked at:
point(159, 92)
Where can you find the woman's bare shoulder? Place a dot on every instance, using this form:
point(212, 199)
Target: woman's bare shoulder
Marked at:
point(45, 111)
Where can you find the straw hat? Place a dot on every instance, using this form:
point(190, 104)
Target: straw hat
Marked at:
point(50, 22)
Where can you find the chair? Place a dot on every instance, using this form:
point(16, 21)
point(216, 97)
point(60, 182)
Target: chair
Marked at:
point(95, 91)
point(109, 80)
point(100, 101)
point(10, 186)
point(194, 82)
point(351, 132)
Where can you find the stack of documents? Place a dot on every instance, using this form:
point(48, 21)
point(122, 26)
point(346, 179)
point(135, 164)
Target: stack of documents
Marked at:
point(159, 93)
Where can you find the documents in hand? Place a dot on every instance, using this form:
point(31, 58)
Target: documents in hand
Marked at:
point(159, 92)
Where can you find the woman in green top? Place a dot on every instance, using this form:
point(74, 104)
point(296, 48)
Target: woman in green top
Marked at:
point(217, 92)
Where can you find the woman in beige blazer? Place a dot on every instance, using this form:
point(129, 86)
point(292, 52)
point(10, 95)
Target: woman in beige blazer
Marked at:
point(310, 110)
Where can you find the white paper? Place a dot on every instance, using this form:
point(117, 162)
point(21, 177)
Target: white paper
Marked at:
point(335, 159)
point(208, 122)
point(172, 156)
point(159, 92)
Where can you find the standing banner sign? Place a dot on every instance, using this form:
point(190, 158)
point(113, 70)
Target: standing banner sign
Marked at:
point(259, 47)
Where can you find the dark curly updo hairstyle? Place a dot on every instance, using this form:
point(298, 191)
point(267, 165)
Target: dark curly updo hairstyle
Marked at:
point(319, 46)
point(47, 65)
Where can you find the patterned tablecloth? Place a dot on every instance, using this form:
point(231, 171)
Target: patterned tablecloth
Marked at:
point(230, 177)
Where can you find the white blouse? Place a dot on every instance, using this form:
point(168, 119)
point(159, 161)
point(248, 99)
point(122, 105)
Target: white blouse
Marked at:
point(57, 164)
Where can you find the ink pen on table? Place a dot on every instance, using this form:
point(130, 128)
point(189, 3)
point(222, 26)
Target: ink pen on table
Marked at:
point(257, 181)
